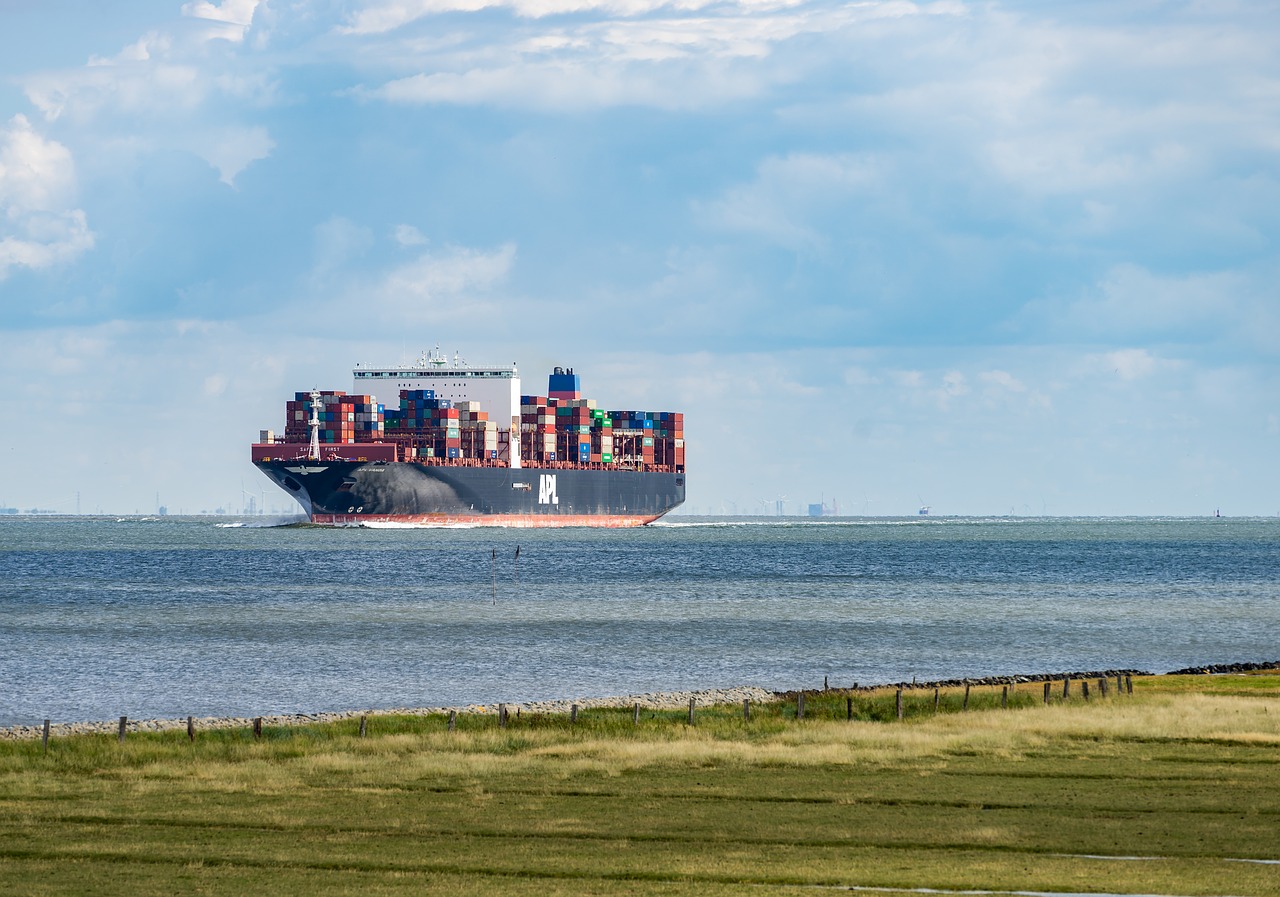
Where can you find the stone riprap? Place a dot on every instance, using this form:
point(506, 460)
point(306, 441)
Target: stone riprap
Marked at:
point(673, 700)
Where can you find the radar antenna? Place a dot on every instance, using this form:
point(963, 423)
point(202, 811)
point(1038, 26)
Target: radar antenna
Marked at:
point(314, 453)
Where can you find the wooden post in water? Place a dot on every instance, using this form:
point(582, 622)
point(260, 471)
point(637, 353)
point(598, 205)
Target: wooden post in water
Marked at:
point(364, 720)
point(898, 702)
point(800, 706)
point(453, 719)
point(45, 737)
point(746, 710)
point(191, 728)
point(1046, 691)
point(124, 721)
point(691, 703)
point(966, 696)
point(1084, 688)
point(573, 713)
point(257, 727)
point(848, 709)
point(1004, 698)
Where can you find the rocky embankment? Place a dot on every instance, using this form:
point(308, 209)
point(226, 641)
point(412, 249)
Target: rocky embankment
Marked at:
point(1226, 668)
point(674, 700)
point(975, 681)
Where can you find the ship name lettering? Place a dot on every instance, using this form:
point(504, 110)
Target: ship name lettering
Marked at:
point(547, 490)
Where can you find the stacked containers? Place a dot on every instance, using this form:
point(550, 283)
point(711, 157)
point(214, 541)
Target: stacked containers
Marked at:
point(479, 434)
point(425, 427)
point(566, 431)
point(343, 418)
point(538, 429)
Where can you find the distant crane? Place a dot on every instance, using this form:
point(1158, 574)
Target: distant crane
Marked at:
point(257, 503)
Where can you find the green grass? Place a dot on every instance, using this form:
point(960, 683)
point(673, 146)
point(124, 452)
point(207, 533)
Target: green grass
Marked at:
point(1185, 773)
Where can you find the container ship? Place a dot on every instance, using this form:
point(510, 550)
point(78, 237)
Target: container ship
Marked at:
point(463, 446)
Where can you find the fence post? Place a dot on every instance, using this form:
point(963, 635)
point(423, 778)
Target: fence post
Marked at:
point(898, 701)
point(746, 710)
point(937, 696)
point(691, 703)
point(502, 716)
point(1102, 686)
point(1066, 688)
point(1046, 691)
point(124, 721)
point(45, 737)
point(635, 713)
point(1128, 683)
point(848, 709)
point(1119, 684)
point(363, 725)
point(257, 727)
point(573, 713)
point(1084, 689)
point(453, 719)
point(1004, 698)
point(800, 706)
point(191, 728)
point(966, 696)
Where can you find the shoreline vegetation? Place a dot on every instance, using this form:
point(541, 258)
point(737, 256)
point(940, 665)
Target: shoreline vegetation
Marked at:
point(648, 701)
point(993, 786)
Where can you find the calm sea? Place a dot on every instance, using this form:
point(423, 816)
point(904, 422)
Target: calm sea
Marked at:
point(175, 616)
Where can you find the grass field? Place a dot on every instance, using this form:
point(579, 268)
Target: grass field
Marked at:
point(1174, 790)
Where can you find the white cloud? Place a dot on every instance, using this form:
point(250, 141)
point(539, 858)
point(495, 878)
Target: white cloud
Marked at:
point(232, 149)
point(452, 286)
point(1130, 302)
point(408, 235)
point(1002, 380)
point(163, 94)
point(1128, 364)
point(38, 227)
point(382, 16)
point(954, 385)
point(229, 21)
point(683, 56)
point(436, 276)
point(781, 202)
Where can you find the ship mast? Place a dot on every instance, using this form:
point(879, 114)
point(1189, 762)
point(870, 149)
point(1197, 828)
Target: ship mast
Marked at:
point(314, 453)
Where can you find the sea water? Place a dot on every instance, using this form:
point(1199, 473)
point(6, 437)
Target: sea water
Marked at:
point(169, 617)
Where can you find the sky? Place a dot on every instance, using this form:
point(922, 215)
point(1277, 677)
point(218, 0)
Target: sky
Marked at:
point(992, 258)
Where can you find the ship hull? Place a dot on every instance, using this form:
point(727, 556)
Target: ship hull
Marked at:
point(349, 492)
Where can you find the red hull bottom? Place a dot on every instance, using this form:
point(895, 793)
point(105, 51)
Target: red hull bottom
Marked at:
point(516, 521)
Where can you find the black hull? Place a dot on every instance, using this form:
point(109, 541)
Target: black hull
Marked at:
point(354, 492)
